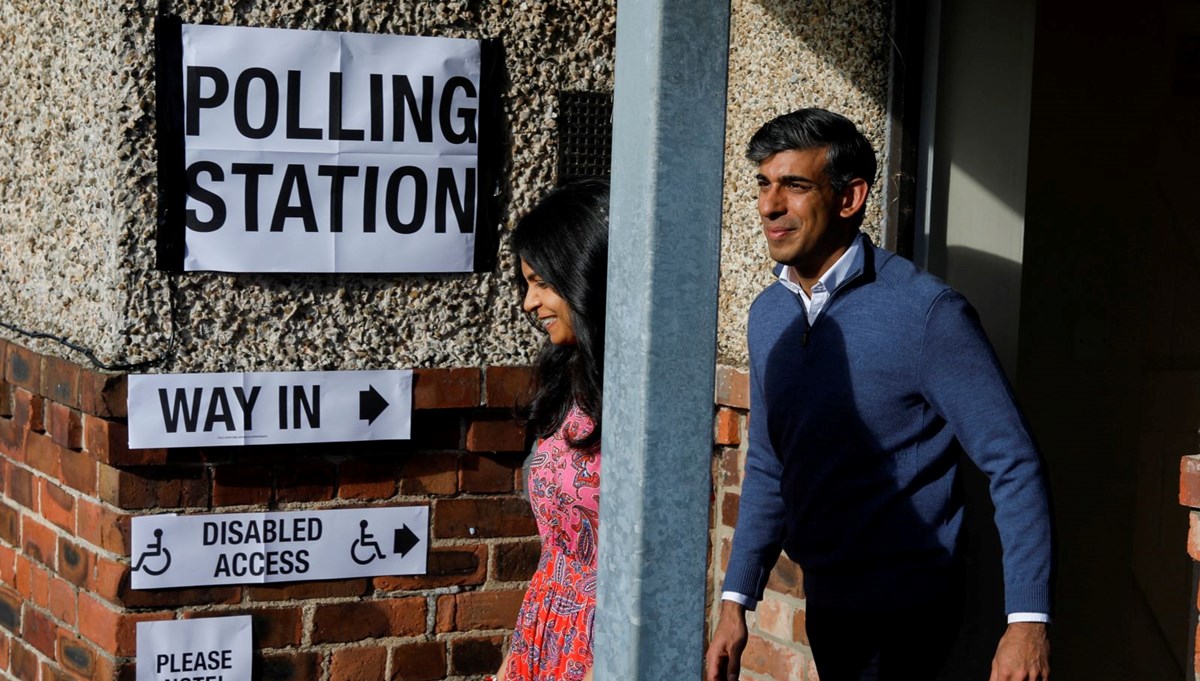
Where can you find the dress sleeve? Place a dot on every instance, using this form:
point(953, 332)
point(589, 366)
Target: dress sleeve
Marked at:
point(963, 381)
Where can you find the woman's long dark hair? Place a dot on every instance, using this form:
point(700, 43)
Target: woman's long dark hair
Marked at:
point(564, 239)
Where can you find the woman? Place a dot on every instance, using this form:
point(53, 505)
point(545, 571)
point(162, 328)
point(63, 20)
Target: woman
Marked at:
point(562, 245)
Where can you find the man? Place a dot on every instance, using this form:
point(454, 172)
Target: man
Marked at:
point(868, 377)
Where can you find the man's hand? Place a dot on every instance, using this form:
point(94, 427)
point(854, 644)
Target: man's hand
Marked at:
point(724, 659)
point(1023, 653)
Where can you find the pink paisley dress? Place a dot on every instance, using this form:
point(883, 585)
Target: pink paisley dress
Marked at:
point(553, 636)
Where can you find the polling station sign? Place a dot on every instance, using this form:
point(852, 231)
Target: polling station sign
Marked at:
point(316, 151)
point(277, 407)
point(279, 546)
point(207, 649)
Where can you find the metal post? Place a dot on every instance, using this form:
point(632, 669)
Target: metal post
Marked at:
point(664, 245)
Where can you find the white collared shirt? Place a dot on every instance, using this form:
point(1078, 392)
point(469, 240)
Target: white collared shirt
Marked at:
point(827, 284)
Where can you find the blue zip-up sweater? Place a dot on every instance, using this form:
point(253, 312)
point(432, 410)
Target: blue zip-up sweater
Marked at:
point(854, 438)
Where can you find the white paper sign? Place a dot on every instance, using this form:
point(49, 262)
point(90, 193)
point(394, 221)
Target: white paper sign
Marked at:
point(207, 649)
point(314, 151)
point(281, 546)
point(280, 407)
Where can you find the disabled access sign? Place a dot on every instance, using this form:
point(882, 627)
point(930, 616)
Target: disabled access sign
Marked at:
point(173, 550)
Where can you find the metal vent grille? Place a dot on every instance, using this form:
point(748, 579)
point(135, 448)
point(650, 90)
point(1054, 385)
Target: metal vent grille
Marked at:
point(585, 135)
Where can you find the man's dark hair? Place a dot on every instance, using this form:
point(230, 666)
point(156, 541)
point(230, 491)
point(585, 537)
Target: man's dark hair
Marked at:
point(850, 154)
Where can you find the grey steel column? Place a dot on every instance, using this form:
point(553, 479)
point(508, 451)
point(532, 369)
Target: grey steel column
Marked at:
point(668, 150)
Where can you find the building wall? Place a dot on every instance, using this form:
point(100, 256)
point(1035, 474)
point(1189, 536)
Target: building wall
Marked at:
point(77, 241)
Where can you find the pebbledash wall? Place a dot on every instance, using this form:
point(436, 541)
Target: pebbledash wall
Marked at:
point(77, 207)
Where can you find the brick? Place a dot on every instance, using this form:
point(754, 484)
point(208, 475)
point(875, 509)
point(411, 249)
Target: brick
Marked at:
point(106, 578)
point(787, 578)
point(1189, 481)
point(57, 504)
point(423, 661)
point(495, 435)
point(358, 664)
point(446, 388)
point(8, 565)
point(289, 667)
point(730, 467)
point(305, 482)
point(733, 387)
point(729, 508)
point(20, 487)
point(486, 609)
point(294, 591)
point(10, 525)
point(102, 526)
point(773, 660)
point(236, 485)
point(445, 566)
point(39, 541)
point(774, 617)
point(103, 394)
point(12, 435)
point(10, 610)
point(108, 442)
point(508, 386)
point(432, 430)
point(74, 562)
point(22, 367)
point(153, 487)
point(272, 627)
point(42, 454)
point(445, 614)
point(22, 576)
point(38, 630)
point(78, 470)
point(113, 631)
point(1193, 539)
point(23, 662)
point(351, 622)
point(60, 381)
point(366, 479)
point(727, 430)
point(423, 474)
point(6, 401)
point(516, 561)
point(63, 603)
point(5, 642)
point(80, 657)
point(28, 410)
point(486, 517)
point(485, 474)
point(800, 627)
point(39, 585)
point(476, 655)
point(64, 425)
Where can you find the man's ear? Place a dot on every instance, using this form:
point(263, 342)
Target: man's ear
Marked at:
point(852, 198)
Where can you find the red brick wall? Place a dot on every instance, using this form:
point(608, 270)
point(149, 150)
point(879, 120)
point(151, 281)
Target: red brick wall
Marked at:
point(778, 648)
point(1189, 496)
point(70, 487)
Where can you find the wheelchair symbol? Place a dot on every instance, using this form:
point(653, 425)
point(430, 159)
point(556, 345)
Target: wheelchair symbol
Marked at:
point(364, 540)
point(154, 549)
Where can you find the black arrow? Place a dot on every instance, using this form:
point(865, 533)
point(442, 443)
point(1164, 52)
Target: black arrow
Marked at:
point(370, 404)
point(404, 541)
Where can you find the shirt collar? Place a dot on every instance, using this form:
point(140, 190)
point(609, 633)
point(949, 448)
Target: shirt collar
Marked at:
point(835, 276)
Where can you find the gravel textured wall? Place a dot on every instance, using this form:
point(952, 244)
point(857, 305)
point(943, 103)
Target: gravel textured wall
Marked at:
point(785, 55)
point(77, 179)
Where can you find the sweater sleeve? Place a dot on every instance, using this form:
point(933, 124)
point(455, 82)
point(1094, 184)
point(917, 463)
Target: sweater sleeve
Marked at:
point(758, 536)
point(963, 381)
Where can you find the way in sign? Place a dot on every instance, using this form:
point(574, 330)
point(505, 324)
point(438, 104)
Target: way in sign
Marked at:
point(189, 410)
point(305, 408)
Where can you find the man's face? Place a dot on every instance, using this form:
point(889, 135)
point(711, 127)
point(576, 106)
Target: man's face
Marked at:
point(799, 210)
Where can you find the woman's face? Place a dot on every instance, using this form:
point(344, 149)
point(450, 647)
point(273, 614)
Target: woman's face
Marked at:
point(551, 310)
